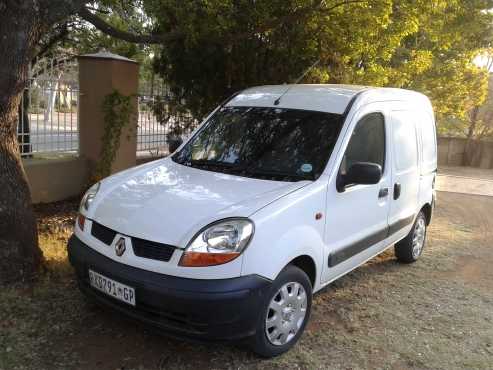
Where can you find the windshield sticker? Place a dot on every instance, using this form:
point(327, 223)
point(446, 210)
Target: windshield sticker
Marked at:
point(306, 167)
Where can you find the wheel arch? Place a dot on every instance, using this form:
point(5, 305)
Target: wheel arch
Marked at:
point(307, 265)
point(427, 210)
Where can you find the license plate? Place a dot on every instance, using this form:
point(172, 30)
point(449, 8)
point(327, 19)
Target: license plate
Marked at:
point(112, 288)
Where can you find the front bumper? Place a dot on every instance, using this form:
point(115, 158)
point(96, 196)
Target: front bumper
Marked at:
point(220, 309)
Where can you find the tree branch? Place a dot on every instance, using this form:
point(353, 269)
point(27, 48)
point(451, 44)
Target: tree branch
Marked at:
point(112, 31)
point(55, 64)
point(60, 34)
point(342, 3)
point(100, 11)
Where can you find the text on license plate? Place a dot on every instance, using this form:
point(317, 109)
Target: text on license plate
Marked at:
point(112, 288)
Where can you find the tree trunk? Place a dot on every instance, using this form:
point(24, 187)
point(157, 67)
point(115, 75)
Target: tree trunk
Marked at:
point(20, 255)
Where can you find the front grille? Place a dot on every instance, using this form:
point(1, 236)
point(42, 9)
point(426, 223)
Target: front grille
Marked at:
point(103, 233)
point(152, 250)
point(142, 248)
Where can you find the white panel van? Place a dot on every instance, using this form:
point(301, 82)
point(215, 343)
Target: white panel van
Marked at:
point(280, 191)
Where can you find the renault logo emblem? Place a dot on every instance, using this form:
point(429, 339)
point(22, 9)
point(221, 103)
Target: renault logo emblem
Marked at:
point(120, 247)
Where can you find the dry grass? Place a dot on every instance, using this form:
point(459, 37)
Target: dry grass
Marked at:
point(435, 314)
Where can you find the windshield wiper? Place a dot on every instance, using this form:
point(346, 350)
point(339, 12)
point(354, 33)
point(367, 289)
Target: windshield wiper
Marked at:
point(211, 162)
point(279, 174)
point(205, 163)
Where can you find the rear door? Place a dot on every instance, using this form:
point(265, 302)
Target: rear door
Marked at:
point(426, 128)
point(405, 172)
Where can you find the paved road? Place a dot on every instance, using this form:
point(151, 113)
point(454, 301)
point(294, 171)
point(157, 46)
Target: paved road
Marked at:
point(48, 141)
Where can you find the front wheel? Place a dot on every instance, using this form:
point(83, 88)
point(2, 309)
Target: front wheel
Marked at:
point(410, 248)
point(284, 313)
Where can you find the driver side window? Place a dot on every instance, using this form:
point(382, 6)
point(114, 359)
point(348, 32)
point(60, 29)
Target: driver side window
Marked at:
point(367, 143)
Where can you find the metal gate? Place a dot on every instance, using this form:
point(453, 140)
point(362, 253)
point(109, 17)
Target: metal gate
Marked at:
point(158, 122)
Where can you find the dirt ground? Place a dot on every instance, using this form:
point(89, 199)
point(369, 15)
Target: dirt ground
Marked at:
point(435, 314)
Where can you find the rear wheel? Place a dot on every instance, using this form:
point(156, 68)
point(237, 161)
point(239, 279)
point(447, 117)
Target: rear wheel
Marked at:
point(410, 248)
point(284, 313)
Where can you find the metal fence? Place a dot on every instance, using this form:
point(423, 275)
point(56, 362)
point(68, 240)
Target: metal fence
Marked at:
point(47, 119)
point(159, 121)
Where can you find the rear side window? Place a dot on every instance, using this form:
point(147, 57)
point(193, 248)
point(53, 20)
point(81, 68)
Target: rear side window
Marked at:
point(367, 143)
point(404, 140)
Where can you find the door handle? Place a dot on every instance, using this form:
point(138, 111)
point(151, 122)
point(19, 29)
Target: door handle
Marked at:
point(397, 190)
point(383, 192)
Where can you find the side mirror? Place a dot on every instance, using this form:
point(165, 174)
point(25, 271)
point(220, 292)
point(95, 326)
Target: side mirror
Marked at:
point(174, 144)
point(364, 173)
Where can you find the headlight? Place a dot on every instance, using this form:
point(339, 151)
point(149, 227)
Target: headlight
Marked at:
point(218, 243)
point(89, 196)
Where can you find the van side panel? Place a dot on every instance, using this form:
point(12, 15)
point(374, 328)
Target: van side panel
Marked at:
point(405, 170)
point(417, 113)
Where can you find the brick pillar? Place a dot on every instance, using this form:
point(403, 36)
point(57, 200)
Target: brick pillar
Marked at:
point(99, 75)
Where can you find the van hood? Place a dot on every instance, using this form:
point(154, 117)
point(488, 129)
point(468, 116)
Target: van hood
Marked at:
point(166, 202)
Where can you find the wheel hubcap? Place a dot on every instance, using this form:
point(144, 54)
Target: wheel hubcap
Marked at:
point(286, 313)
point(419, 237)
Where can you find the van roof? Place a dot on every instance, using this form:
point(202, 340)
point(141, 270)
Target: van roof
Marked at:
point(323, 98)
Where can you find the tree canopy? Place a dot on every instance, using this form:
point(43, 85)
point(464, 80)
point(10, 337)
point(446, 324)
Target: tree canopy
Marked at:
point(225, 46)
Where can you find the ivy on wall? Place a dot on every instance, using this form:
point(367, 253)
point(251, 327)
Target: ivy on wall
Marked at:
point(118, 111)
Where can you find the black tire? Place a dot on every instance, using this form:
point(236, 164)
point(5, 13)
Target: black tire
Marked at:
point(260, 343)
point(404, 249)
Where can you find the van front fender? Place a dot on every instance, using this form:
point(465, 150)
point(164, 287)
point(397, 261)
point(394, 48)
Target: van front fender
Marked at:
point(275, 253)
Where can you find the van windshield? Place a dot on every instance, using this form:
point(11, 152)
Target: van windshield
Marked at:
point(266, 143)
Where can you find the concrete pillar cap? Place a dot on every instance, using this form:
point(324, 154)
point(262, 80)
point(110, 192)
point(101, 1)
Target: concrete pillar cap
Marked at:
point(107, 55)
